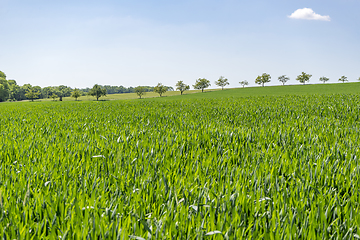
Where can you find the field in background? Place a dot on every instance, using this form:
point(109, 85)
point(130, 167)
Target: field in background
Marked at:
point(127, 96)
point(237, 92)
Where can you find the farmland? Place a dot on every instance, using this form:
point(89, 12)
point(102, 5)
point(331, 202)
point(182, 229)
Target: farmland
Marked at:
point(267, 167)
point(353, 87)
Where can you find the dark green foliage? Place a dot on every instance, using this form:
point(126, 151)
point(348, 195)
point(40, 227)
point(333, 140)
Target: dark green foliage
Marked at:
point(2, 75)
point(303, 78)
point(160, 89)
point(140, 91)
point(262, 79)
point(97, 91)
point(201, 84)
point(4, 90)
point(32, 94)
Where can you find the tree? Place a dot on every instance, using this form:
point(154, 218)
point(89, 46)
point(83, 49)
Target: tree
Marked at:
point(358, 79)
point(32, 94)
point(140, 91)
point(283, 79)
point(244, 83)
point(303, 77)
point(222, 82)
point(54, 96)
point(38, 90)
point(343, 79)
point(264, 78)
point(97, 91)
point(2, 75)
point(182, 87)
point(14, 92)
point(76, 94)
point(47, 92)
point(160, 89)
point(4, 89)
point(4, 93)
point(62, 91)
point(202, 83)
point(323, 79)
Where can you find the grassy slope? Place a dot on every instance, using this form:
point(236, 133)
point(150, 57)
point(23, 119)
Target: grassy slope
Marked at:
point(125, 96)
point(352, 88)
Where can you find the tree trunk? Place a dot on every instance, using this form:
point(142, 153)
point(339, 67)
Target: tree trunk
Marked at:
point(60, 98)
point(263, 84)
point(202, 90)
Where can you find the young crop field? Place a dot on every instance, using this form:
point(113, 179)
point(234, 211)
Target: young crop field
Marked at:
point(262, 167)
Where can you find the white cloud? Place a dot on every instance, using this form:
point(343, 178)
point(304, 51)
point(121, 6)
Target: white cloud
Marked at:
point(309, 14)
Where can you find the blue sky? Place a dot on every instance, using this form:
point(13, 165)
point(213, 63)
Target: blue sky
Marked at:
point(130, 43)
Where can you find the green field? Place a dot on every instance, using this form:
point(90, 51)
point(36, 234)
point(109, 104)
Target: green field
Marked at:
point(335, 88)
point(254, 163)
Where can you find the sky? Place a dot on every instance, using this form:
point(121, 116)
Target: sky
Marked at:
point(80, 43)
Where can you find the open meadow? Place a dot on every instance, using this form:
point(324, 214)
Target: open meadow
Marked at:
point(333, 88)
point(215, 165)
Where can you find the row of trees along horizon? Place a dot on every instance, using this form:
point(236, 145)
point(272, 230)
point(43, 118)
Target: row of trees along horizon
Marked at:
point(10, 91)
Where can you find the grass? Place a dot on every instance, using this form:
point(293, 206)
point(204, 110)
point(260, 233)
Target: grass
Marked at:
point(334, 88)
point(217, 165)
point(127, 96)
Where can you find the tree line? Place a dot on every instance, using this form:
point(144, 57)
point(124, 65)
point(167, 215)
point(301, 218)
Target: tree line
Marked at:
point(302, 78)
point(203, 83)
point(11, 91)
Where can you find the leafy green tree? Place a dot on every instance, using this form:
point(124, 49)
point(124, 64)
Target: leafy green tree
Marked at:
point(160, 89)
point(76, 94)
point(140, 91)
point(222, 82)
point(2, 75)
point(4, 93)
point(97, 91)
point(264, 78)
point(47, 92)
point(62, 91)
point(38, 90)
point(23, 90)
point(4, 90)
point(283, 79)
point(202, 83)
point(182, 87)
point(32, 94)
point(323, 79)
point(54, 96)
point(343, 79)
point(15, 92)
point(303, 77)
point(244, 83)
